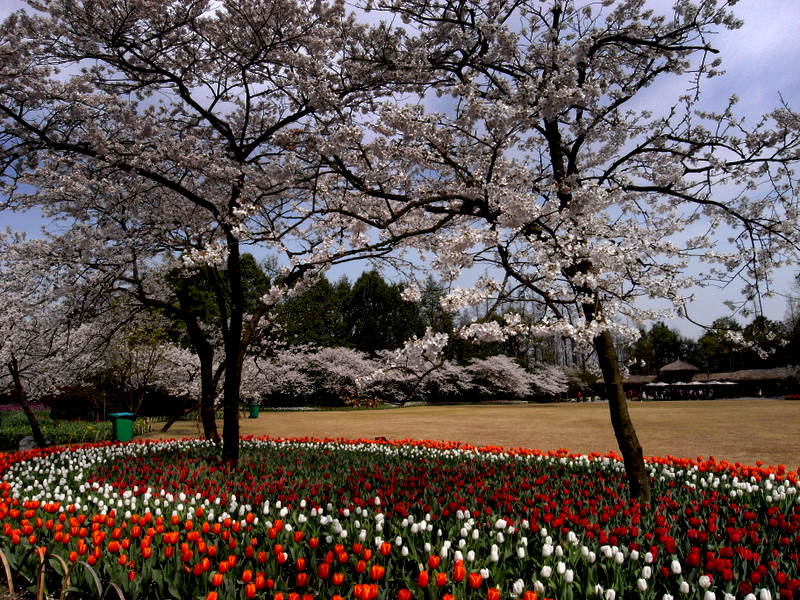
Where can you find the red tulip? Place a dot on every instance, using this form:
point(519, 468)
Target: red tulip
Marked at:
point(376, 572)
point(474, 580)
point(422, 579)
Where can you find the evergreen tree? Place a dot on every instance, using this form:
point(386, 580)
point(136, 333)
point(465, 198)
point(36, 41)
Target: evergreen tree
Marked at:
point(717, 352)
point(316, 316)
point(377, 317)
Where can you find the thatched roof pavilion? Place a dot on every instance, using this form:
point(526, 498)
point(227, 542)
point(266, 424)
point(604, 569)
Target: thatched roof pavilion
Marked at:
point(679, 366)
point(676, 370)
point(745, 375)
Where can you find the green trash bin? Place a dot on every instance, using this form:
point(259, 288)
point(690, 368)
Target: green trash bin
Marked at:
point(254, 409)
point(122, 425)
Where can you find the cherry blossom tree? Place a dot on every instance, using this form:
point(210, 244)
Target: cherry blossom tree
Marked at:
point(531, 144)
point(499, 376)
point(550, 380)
point(159, 134)
point(42, 345)
point(139, 358)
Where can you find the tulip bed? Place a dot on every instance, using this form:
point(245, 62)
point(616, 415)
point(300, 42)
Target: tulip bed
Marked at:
point(376, 520)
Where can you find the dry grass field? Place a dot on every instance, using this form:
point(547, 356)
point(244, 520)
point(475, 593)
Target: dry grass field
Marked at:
point(744, 430)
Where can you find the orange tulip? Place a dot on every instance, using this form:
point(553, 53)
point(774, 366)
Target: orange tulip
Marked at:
point(422, 579)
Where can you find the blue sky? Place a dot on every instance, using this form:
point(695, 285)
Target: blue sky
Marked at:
point(761, 61)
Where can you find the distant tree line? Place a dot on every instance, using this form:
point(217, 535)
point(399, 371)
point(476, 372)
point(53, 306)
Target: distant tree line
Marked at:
point(726, 346)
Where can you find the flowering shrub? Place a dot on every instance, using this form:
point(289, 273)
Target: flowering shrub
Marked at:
point(371, 520)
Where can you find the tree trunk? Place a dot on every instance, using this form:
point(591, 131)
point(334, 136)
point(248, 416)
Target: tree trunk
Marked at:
point(233, 359)
point(205, 354)
point(624, 431)
point(19, 394)
point(207, 395)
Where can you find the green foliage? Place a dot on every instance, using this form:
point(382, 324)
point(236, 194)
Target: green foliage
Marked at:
point(14, 426)
point(655, 348)
point(726, 346)
point(205, 294)
point(369, 316)
point(377, 317)
point(316, 317)
point(430, 308)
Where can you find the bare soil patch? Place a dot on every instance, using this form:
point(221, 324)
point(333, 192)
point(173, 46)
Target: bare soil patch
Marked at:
point(744, 430)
